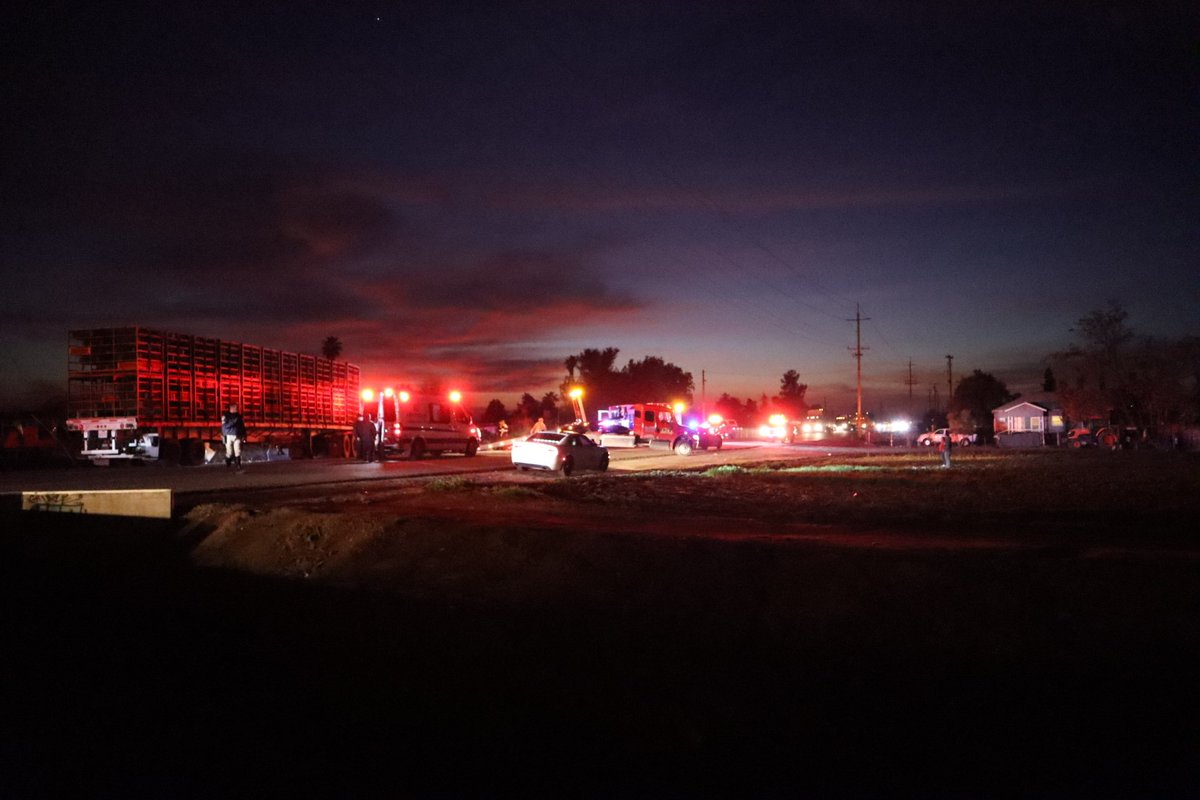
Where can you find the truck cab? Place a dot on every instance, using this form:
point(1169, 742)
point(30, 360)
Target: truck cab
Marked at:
point(107, 439)
point(653, 424)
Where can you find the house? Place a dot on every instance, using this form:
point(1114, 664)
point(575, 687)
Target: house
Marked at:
point(1028, 422)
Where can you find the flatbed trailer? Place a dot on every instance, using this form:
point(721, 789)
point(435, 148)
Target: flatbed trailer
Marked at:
point(130, 386)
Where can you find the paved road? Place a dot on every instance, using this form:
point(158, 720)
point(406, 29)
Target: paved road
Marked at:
point(217, 480)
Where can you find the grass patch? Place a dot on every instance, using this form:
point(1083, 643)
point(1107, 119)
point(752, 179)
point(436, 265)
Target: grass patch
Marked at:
point(1127, 491)
point(453, 483)
point(514, 492)
point(838, 468)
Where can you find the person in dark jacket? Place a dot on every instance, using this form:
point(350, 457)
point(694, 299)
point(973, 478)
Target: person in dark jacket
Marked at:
point(233, 431)
point(365, 434)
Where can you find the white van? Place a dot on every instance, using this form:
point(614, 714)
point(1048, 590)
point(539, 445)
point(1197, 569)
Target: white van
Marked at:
point(432, 425)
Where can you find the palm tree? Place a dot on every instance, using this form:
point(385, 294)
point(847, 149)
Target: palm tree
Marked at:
point(331, 348)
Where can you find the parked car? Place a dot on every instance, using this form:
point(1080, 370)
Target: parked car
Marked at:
point(935, 437)
point(559, 451)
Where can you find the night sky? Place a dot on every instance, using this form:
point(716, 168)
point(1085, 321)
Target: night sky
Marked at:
point(474, 192)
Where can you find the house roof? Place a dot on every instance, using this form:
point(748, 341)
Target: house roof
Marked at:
point(1012, 405)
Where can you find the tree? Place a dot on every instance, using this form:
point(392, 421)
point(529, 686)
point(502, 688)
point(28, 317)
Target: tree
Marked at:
point(331, 348)
point(1113, 376)
point(550, 407)
point(1049, 384)
point(528, 409)
point(791, 395)
point(650, 380)
point(729, 407)
point(595, 375)
point(596, 364)
point(653, 380)
point(1104, 331)
point(974, 398)
point(494, 412)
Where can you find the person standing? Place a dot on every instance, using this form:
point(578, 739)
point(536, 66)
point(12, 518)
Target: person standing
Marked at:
point(945, 446)
point(538, 426)
point(233, 431)
point(364, 432)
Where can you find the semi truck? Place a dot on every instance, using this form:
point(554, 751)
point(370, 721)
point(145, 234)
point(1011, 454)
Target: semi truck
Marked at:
point(141, 393)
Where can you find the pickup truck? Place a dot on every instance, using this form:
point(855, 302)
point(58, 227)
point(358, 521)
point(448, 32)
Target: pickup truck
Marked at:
point(935, 437)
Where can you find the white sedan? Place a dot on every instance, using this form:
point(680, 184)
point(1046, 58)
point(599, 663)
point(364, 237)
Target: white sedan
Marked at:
point(559, 451)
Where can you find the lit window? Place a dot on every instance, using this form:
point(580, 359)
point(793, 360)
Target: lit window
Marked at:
point(1035, 423)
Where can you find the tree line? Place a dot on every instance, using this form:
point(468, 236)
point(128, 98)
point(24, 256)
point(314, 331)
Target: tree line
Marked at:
point(648, 380)
point(1121, 377)
point(1110, 375)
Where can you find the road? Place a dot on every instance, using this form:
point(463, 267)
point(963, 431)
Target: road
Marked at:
point(215, 480)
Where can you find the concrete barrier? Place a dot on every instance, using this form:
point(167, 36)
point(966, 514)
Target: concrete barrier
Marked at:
point(154, 503)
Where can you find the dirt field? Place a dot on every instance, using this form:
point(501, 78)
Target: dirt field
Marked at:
point(1020, 625)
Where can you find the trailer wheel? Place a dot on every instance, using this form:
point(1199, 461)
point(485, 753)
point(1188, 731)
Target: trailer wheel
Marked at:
point(683, 447)
point(416, 450)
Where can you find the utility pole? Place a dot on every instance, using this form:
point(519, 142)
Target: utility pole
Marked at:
point(704, 394)
point(910, 386)
point(858, 354)
point(949, 380)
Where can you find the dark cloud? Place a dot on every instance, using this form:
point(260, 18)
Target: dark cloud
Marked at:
point(458, 188)
point(514, 281)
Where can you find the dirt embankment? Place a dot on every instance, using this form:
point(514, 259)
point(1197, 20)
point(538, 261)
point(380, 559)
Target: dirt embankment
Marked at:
point(734, 633)
point(528, 540)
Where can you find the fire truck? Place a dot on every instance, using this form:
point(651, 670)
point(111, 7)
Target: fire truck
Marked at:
point(137, 393)
point(652, 424)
